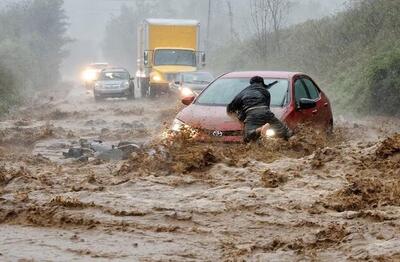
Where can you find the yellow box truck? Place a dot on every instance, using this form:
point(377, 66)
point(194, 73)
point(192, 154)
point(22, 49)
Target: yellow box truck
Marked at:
point(166, 47)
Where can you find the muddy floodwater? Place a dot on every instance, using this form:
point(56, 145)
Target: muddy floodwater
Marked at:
point(314, 198)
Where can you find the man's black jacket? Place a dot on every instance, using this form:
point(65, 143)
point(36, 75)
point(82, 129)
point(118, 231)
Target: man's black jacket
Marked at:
point(255, 95)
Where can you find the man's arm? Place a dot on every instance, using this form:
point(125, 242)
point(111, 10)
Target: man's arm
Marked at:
point(234, 106)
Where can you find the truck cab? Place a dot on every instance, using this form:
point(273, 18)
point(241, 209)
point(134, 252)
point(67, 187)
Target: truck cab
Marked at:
point(169, 47)
point(168, 63)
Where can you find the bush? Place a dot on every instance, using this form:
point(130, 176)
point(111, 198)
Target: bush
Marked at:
point(383, 78)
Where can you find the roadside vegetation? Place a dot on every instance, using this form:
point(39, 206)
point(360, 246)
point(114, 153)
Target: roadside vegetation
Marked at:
point(32, 37)
point(355, 54)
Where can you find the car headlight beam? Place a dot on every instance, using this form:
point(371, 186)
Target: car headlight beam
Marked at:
point(186, 92)
point(156, 78)
point(89, 75)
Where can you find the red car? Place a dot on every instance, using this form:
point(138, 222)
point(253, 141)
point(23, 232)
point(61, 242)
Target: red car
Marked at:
point(295, 99)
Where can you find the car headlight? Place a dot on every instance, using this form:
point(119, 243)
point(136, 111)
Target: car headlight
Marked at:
point(97, 85)
point(186, 92)
point(125, 85)
point(89, 75)
point(177, 125)
point(270, 133)
point(156, 78)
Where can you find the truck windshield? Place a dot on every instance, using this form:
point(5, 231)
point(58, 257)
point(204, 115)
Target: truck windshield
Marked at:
point(174, 57)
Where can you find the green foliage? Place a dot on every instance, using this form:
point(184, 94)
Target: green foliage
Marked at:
point(384, 83)
point(32, 37)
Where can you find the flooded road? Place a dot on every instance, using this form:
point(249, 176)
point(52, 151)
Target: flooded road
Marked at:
point(312, 198)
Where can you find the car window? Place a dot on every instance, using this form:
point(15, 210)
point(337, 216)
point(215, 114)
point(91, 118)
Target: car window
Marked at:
point(114, 76)
point(300, 90)
point(224, 90)
point(197, 78)
point(312, 89)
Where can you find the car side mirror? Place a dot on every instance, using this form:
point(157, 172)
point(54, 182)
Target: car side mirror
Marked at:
point(178, 83)
point(203, 59)
point(188, 100)
point(306, 103)
point(146, 58)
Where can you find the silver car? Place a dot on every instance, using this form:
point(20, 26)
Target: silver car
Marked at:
point(191, 83)
point(114, 82)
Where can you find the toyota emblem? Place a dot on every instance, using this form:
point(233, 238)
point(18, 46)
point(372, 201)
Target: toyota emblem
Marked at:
point(217, 133)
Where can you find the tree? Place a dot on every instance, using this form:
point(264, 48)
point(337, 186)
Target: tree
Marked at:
point(32, 41)
point(268, 17)
point(120, 40)
point(47, 26)
point(119, 45)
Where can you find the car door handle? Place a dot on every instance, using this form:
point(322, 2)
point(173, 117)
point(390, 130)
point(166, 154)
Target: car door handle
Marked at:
point(326, 105)
point(315, 111)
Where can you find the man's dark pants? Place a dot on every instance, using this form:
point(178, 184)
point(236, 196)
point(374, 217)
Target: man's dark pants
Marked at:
point(259, 117)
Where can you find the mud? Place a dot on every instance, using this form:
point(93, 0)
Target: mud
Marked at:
point(312, 198)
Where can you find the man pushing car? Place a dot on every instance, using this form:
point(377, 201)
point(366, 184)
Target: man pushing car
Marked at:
point(252, 108)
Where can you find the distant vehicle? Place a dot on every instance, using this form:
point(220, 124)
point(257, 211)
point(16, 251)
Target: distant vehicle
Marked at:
point(295, 99)
point(166, 47)
point(91, 73)
point(114, 82)
point(191, 83)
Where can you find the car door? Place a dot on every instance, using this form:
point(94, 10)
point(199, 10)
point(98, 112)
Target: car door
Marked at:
point(320, 111)
point(301, 91)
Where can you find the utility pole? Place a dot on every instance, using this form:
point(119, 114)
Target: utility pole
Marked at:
point(230, 13)
point(208, 26)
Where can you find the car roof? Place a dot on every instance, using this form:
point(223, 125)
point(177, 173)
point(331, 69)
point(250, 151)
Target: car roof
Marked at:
point(98, 64)
point(115, 69)
point(270, 74)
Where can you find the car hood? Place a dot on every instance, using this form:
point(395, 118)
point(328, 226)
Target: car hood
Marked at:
point(196, 87)
point(213, 117)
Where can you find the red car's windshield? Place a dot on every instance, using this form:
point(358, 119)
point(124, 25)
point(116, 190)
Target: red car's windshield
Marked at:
point(224, 90)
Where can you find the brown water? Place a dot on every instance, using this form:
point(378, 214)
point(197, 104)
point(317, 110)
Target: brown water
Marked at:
point(312, 198)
